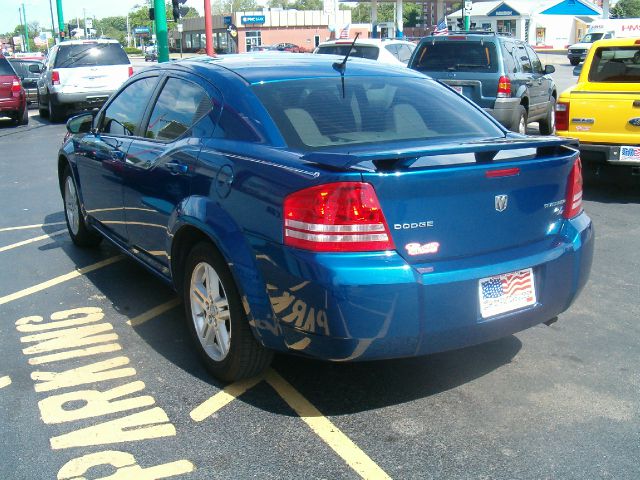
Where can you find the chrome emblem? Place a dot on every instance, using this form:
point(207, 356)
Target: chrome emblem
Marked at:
point(635, 122)
point(501, 202)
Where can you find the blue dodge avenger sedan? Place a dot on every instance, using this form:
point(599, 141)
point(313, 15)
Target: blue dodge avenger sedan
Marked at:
point(341, 210)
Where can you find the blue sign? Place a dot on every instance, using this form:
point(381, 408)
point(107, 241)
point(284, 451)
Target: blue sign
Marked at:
point(139, 30)
point(245, 19)
point(503, 10)
point(227, 20)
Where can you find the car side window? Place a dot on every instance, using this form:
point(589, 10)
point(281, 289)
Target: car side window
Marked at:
point(404, 53)
point(392, 49)
point(535, 61)
point(523, 59)
point(509, 61)
point(180, 105)
point(124, 113)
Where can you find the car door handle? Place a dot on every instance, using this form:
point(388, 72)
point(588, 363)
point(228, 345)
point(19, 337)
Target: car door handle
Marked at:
point(177, 168)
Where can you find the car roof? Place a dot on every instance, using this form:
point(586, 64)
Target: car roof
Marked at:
point(85, 41)
point(268, 67)
point(378, 42)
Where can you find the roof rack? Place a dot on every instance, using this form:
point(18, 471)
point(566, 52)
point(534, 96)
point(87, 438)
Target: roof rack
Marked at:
point(479, 32)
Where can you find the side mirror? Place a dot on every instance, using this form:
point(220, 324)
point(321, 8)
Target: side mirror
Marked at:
point(577, 70)
point(35, 68)
point(80, 123)
point(548, 69)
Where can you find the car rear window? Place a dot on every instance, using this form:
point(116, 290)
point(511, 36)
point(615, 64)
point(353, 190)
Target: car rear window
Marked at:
point(22, 68)
point(616, 65)
point(363, 51)
point(90, 55)
point(313, 114)
point(5, 68)
point(456, 56)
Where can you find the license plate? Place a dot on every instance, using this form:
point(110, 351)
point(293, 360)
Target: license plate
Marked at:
point(630, 154)
point(457, 89)
point(506, 292)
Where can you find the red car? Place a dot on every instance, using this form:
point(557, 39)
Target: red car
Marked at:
point(13, 100)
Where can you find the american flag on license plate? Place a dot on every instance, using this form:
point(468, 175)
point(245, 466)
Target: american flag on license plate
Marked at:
point(509, 285)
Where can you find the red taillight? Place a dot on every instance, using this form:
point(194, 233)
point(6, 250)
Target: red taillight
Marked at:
point(130, 71)
point(336, 217)
point(562, 116)
point(16, 86)
point(573, 201)
point(55, 77)
point(504, 87)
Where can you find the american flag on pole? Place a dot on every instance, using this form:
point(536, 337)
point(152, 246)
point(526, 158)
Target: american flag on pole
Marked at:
point(441, 28)
point(344, 33)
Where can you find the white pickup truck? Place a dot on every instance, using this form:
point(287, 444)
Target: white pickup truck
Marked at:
point(603, 30)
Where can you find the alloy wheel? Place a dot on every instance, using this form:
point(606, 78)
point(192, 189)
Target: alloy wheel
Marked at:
point(71, 206)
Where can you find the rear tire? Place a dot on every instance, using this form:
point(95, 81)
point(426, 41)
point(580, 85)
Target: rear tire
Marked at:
point(548, 124)
point(23, 117)
point(42, 109)
point(215, 318)
point(55, 112)
point(81, 233)
point(521, 124)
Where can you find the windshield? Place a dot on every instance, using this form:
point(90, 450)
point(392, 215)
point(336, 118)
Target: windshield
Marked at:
point(456, 56)
point(313, 113)
point(616, 65)
point(591, 37)
point(90, 55)
point(362, 51)
point(5, 68)
point(22, 68)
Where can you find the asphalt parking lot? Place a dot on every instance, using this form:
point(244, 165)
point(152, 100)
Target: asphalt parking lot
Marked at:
point(97, 376)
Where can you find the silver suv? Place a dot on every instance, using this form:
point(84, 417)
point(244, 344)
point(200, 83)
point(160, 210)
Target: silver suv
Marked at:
point(80, 75)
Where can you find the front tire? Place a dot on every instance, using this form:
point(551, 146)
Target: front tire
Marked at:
point(574, 61)
point(215, 318)
point(81, 234)
point(548, 124)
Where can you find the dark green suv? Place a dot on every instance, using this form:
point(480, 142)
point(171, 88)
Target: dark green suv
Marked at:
point(502, 75)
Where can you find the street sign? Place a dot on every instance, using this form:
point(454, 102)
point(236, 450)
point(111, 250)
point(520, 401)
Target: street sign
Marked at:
point(141, 31)
point(468, 5)
point(180, 28)
point(89, 23)
point(227, 20)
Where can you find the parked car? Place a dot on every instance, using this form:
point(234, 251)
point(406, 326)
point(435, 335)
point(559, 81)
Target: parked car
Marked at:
point(151, 55)
point(80, 75)
point(602, 109)
point(394, 52)
point(502, 75)
point(29, 71)
point(355, 213)
point(13, 99)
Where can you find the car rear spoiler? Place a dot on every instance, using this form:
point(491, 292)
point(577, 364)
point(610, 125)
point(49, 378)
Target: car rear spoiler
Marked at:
point(484, 150)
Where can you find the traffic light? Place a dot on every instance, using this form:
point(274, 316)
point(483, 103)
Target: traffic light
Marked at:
point(460, 24)
point(177, 11)
point(152, 13)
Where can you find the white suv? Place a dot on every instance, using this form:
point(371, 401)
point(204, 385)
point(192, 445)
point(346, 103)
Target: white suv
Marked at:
point(81, 74)
point(395, 52)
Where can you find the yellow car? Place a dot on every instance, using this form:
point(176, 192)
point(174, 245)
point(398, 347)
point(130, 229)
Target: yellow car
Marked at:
point(603, 109)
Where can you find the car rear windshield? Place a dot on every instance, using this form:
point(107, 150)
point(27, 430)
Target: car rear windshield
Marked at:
point(5, 68)
point(22, 68)
point(616, 65)
point(456, 56)
point(313, 114)
point(363, 51)
point(90, 55)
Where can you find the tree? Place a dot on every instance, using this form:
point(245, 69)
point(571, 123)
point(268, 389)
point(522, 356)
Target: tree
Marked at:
point(626, 9)
point(307, 5)
point(230, 6)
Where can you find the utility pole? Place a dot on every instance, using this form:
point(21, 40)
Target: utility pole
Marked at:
point(162, 39)
point(207, 28)
point(60, 19)
point(84, 19)
point(26, 29)
point(53, 24)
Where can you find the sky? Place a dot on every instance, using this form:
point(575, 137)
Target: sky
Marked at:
point(38, 10)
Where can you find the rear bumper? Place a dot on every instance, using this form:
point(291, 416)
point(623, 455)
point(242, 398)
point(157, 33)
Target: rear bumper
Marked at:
point(12, 105)
point(376, 306)
point(79, 101)
point(505, 111)
point(603, 153)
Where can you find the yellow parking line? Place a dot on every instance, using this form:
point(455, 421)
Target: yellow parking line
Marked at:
point(5, 381)
point(32, 240)
point(57, 280)
point(325, 429)
point(25, 227)
point(154, 312)
point(220, 399)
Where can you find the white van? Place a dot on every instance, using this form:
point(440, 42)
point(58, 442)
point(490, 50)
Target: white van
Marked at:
point(603, 29)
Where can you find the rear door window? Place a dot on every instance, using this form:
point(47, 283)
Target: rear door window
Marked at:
point(90, 55)
point(180, 105)
point(616, 65)
point(507, 55)
point(363, 51)
point(404, 52)
point(458, 56)
point(523, 59)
